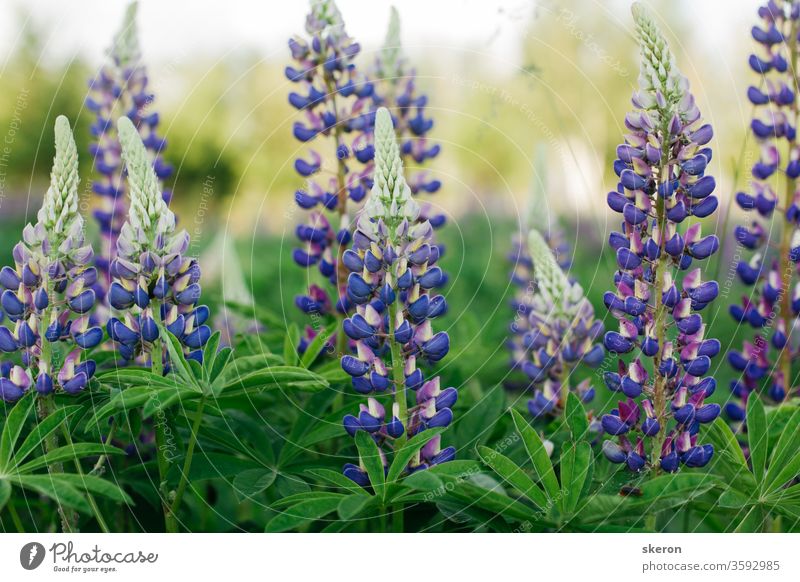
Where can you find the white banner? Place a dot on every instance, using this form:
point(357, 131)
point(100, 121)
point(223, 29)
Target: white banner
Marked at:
point(390, 557)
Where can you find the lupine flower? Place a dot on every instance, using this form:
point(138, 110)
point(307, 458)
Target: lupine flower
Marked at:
point(522, 267)
point(335, 101)
point(48, 293)
point(556, 332)
point(392, 271)
point(772, 307)
point(153, 282)
point(120, 89)
point(396, 89)
point(661, 167)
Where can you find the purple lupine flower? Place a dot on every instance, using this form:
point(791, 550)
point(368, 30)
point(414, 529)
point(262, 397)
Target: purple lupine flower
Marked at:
point(396, 89)
point(120, 89)
point(522, 271)
point(555, 331)
point(334, 99)
point(392, 272)
point(154, 284)
point(662, 185)
point(48, 294)
point(772, 307)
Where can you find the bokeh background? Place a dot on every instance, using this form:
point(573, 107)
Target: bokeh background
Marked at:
point(506, 78)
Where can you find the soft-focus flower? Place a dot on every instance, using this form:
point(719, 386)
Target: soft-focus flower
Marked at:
point(771, 308)
point(334, 99)
point(554, 331)
point(661, 167)
point(120, 89)
point(153, 283)
point(396, 89)
point(392, 270)
point(48, 293)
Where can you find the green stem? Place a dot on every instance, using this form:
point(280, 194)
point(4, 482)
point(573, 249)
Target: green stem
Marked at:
point(650, 522)
point(187, 463)
point(660, 318)
point(15, 518)
point(157, 367)
point(46, 406)
point(98, 515)
point(397, 517)
point(398, 375)
point(98, 466)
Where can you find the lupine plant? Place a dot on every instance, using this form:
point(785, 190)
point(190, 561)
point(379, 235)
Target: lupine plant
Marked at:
point(48, 293)
point(662, 185)
point(121, 88)
point(772, 307)
point(555, 331)
point(392, 270)
point(334, 98)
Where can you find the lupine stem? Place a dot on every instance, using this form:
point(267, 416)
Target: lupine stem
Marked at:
point(397, 372)
point(98, 515)
point(785, 265)
point(157, 367)
point(187, 463)
point(15, 518)
point(659, 388)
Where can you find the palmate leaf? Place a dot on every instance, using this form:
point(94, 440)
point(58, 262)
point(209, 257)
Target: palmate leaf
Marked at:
point(784, 463)
point(411, 447)
point(575, 416)
point(355, 505)
point(13, 427)
point(317, 345)
point(290, 343)
point(370, 456)
point(514, 475)
point(757, 437)
point(576, 460)
point(65, 488)
point(310, 508)
point(538, 455)
point(251, 482)
point(728, 460)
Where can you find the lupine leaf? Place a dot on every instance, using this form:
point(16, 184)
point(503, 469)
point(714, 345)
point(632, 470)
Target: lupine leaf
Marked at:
point(305, 511)
point(135, 377)
point(575, 461)
point(12, 429)
point(336, 479)
point(783, 474)
point(54, 487)
point(290, 342)
point(96, 485)
point(72, 452)
point(538, 455)
point(279, 377)
point(317, 345)
point(224, 357)
point(210, 352)
point(728, 460)
point(251, 482)
point(5, 493)
point(42, 430)
point(513, 474)
point(757, 437)
point(353, 505)
point(127, 399)
point(576, 417)
point(370, 455)
point(786, 448)
point(404, 455)
point(178, 361)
